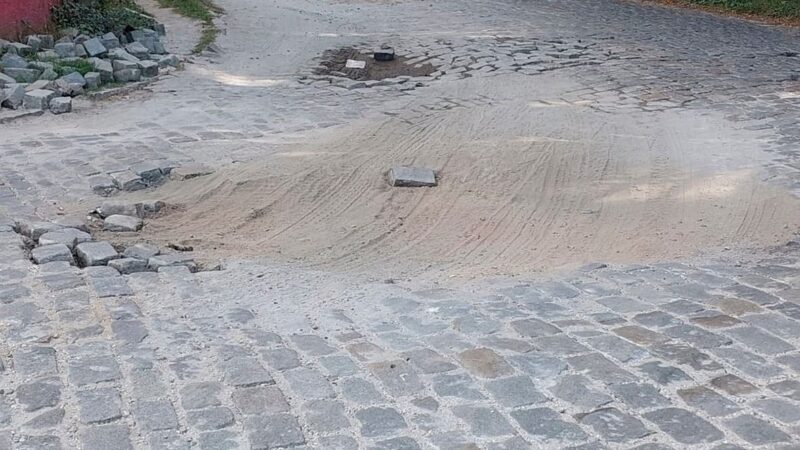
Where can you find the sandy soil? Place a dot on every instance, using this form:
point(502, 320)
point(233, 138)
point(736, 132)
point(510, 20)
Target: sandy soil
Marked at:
point(334, 62)
point(182, 34)
point(528, 183)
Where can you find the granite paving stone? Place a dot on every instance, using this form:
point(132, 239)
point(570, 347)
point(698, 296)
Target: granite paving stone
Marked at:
point(311, 344)
point(614, 425)
point(245, 372)
point(210, 419)
point(428, 361)
point(558, 344)
point(538, 366)
point(664, 374)
point(308, 383)
point(485, 363)
point(376, 421)
point(733, 385)
point(259, 400)
point(154, 415)
point(397, 377)
point(548, 424)
point(618, 348)
point(35, 361)
point(326, 416)
point(38, 394)
point(339, 366)
point(48, 419)
point(760, 341)
point(640, 335)
point(600, 368)
point(46, 442)
point(398, 443)
point(201, 395)
point(99, 405)
point(686, 355)
point(276, 431)
point(683, 426)
point(787, 388)
point(104, 437)
point(281, 358)
point(534, 328)
point(515, 391)
point(338, 443)
point(577, 390)
point(697, 337)
point(783, 410)
point(360, 391)
point(756, 431)
point(460, 386)
point(483, 421)
point(639, 395)
point(708, 401)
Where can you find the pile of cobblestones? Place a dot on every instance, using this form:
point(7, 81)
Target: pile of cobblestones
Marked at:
point(72, 244)
point(45, 73)
point(141, 176)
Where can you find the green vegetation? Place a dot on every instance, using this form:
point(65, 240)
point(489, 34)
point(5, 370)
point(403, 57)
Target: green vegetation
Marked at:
point(100, 16)
point(207, 38)
point(63, 67)
point(79, 65)
point(788, 9)
point(202, 10)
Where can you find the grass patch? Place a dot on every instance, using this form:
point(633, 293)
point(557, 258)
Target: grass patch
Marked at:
point(63, 67)
point(202, 10)
point(99, 16)
point(785, 12)
point(789, 9)
point(207, 38)
point(79, 65)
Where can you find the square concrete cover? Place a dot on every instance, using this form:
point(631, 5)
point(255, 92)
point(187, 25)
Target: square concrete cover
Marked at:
point(412, 177)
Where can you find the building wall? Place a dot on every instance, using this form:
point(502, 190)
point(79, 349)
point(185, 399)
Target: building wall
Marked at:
point(21, 17)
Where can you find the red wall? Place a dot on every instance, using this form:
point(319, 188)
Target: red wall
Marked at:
point(21, 17)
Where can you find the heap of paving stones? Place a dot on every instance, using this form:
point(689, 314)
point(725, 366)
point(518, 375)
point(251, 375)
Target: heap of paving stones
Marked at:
point(28, 77)
point(73, 244)
point(143, 175)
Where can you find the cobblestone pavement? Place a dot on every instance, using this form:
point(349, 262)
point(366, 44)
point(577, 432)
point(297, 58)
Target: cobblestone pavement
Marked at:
point(700, 353)
point(665, 356)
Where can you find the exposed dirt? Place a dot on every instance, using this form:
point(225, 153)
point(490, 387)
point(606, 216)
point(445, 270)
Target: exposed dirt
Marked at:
point(182, 33)
point(525, 185)
point(783, 21)
point(334, 62)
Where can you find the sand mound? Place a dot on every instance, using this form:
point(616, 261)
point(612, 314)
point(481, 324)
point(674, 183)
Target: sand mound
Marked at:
point(525, 186)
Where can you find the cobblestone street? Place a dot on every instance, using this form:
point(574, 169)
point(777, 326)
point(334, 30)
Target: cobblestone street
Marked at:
point(698, 351)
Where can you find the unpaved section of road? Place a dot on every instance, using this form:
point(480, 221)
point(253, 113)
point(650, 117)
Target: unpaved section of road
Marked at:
point(528, 182)
point(182, 33)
